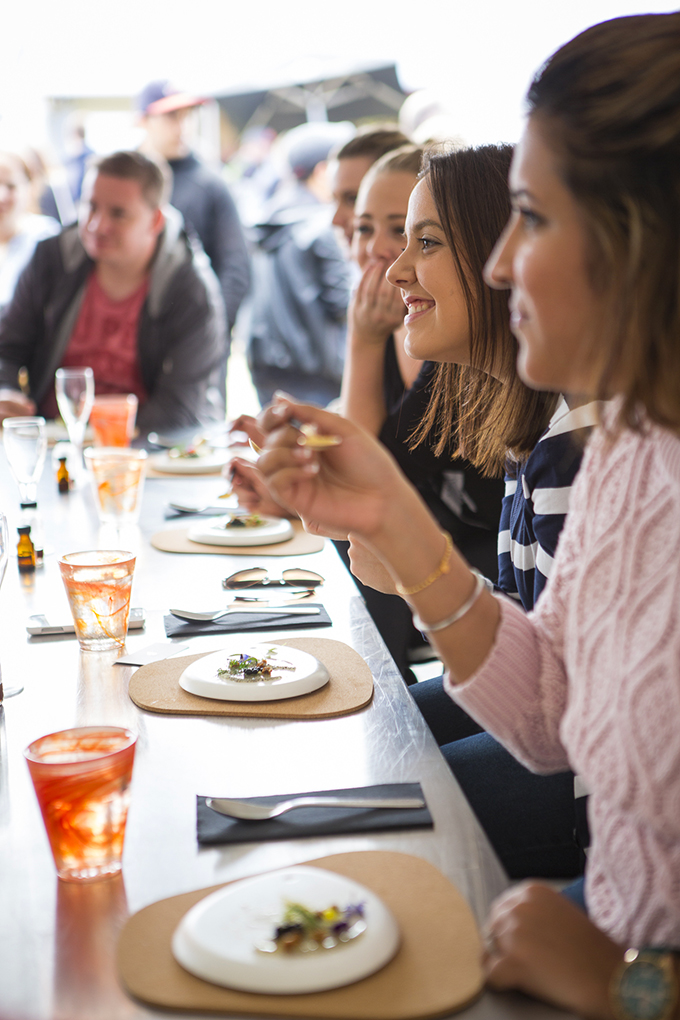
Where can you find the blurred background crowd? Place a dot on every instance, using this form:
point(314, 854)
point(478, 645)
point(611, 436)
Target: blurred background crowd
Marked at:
point(246, 111)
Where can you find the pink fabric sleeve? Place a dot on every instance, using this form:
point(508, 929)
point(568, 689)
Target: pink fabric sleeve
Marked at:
point(519, 694)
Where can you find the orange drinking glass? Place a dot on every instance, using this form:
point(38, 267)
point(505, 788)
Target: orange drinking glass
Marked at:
point(113, 419)
point(82, 778)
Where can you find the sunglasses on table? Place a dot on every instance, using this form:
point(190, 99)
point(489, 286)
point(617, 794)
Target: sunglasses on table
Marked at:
point(258, 577)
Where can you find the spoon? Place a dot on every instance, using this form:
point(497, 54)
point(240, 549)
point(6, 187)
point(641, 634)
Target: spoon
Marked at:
point(192, 508)
point(250, 812)
point(310, 438)
point(185, 614)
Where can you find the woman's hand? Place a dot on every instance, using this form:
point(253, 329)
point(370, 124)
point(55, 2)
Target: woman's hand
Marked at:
point(348, 487)
point(539, 942)
point(355, 487)
point(251, 489)
point(246, 423)
point(366, 566)
point(376, 309)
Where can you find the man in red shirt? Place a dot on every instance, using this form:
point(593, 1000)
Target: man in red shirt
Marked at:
point(126, 292)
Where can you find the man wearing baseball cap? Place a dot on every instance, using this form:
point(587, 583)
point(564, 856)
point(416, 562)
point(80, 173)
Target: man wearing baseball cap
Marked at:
point(200, 194)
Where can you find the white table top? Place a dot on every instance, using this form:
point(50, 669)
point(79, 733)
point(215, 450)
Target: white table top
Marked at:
point(57, 939)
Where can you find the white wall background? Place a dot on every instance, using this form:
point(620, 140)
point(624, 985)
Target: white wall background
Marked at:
point(477, 54)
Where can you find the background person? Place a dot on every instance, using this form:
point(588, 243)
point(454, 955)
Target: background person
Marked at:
point(387, 392)
point(201, 195)
point(125, 292)
point(301, 281)
point(20, 229)
point(351, 162)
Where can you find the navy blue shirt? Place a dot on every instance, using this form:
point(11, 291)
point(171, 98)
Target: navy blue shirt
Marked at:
point(536, 502)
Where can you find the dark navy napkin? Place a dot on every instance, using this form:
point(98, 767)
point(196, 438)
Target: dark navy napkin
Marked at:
point(235, 623)
point(213, 828)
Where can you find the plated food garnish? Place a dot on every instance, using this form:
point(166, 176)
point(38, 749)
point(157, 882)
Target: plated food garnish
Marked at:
point(244, 521)
point(277, 934)
point(234, 528)
point(249, 668)
point(303, 930)
point(190, 451)
point(254, 672)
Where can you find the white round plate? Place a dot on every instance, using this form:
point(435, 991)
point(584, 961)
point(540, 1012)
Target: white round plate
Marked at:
point(201, 677)
point(213, 532)
point(204, 465)
point(216, 940)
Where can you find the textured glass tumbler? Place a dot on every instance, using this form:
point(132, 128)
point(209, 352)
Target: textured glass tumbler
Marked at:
point(113, 419)
point(81, 778)
point(118, 481)
point(98, 585)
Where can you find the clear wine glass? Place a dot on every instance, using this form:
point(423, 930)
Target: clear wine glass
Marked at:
point(25, 442)
point(5, 691)
point(74, 388)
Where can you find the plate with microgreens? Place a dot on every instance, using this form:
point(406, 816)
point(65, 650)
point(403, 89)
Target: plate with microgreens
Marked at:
point(241, 529)
point(299, 929)
point(197, 458)
point(257, 672)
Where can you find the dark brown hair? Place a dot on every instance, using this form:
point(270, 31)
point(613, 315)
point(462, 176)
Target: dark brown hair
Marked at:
point(473, 413)
point(133, 166)
point(608, 104)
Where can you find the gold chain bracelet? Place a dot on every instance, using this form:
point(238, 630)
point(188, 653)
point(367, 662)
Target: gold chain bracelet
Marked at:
point(443, 568)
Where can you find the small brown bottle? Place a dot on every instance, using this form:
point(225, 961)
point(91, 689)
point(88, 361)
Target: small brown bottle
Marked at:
point(30, 518)
point(63, 480)
point(25, 551)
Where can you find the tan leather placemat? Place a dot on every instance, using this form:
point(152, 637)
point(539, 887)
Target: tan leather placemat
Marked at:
point(175, 540)
point(435, 972)
point(155, 687)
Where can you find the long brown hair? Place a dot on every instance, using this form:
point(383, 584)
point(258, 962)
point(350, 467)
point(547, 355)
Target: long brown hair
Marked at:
point(608, 105)
point(472, 413)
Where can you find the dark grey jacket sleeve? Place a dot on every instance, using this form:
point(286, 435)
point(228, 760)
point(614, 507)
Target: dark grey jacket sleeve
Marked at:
point(22, 325)
point(181, 352)
point(229, 255)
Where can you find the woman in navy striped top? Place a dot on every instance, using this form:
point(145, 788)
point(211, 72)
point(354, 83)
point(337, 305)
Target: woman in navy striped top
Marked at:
point(480, 409)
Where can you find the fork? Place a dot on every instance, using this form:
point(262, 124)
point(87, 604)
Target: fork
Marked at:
point(250, 812)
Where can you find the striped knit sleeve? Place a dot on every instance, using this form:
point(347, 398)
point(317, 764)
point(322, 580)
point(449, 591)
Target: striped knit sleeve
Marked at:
point(535, 507)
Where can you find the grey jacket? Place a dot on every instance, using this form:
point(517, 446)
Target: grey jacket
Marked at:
point(301, 287)
point(181, 339)
point(206, 204)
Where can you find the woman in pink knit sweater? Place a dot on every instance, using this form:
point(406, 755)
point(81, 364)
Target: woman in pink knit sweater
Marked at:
point(591, 679)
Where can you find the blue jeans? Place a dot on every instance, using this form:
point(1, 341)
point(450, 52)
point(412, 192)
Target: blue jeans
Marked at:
point(529, 820)
point(576, 893)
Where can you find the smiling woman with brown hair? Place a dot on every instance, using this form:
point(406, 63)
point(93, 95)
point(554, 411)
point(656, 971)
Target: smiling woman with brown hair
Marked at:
point(479, 406)
point(591, 678)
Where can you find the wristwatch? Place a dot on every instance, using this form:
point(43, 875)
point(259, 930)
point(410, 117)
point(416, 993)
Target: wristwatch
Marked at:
point(644, 985)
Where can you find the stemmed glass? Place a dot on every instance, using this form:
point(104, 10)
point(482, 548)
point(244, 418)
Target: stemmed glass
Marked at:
point(25, 442)
point(6, 692)
point(74, 388)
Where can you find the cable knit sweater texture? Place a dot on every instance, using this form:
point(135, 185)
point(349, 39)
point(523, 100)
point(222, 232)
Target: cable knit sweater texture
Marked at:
point(591, 679)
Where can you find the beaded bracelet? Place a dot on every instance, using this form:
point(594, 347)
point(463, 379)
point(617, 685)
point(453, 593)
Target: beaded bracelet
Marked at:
point(480, 584)
point(443, 568)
